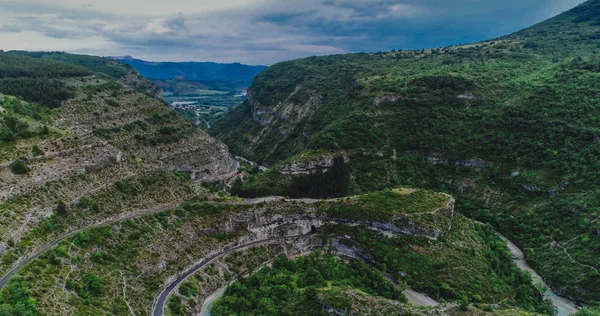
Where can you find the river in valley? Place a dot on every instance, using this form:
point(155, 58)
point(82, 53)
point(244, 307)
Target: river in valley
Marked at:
point(563, 306)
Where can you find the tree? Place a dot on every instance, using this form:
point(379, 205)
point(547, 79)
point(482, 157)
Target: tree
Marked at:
point(237, 188)
point(6, 134)
point(61, 208)
point(92, 284)
point(19, 167)
point(266, 306)
point(36, 151)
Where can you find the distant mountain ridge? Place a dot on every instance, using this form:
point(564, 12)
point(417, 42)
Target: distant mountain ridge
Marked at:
point(192, 70)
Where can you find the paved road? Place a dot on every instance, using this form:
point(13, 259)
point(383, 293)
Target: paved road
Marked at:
point(159, 306)
point(21, 264)
point(4, 279)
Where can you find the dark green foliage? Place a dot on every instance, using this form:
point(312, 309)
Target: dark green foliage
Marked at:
point(36, 151)
point(84, 64)
point(24, 109)
point(119, 307)
point(291, 287)
point(16, 300)
point(92, 285)
point(20, 120)
point(320, 184)
point(89, 288)
point(37, 76)
point(19, 167)
point(188, 289)
point(48, 92)
point(61, 208)
point(18, 65)
point(489, 270)
point(6, 134)
point(35, 80)
point(588, 312)
point(333, 183)
point(112, 103)
point(175, 305)
point(453, 84)
point(101, 257)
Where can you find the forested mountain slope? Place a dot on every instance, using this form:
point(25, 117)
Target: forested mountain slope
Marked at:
point(84, 140)
point(510, 125)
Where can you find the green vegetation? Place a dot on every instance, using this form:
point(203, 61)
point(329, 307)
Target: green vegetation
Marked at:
point(471, 264)
point(127, 251)
point(16, 300)
point(21, 120)
point(291, 287)
point(91, 64)
point(509, 126)
point(37, 76)
point(387, 205)
point(467, 262)
point(319, 184)
point(19, 167)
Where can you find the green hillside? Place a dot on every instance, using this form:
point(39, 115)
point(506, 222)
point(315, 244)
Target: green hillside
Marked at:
point(509, 125)
point(85, 140)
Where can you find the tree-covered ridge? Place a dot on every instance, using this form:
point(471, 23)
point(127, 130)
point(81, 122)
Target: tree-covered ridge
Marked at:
point(508, 125)
point(39, 77)
point(89, 64)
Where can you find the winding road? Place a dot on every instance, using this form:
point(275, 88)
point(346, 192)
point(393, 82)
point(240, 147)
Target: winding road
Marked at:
point(49, 246)
point(4, 279)
point(562, 305)
point(159, 306)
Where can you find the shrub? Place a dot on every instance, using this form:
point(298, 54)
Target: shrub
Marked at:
point(61, 208)
point(19, 167)
point(36, 151)
point(112, 103)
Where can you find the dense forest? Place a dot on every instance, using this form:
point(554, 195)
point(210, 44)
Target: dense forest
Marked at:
point(291, 287)
point(34, 76)
point(319, 184)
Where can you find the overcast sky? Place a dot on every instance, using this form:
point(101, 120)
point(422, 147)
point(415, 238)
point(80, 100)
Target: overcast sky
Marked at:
point(259, 31)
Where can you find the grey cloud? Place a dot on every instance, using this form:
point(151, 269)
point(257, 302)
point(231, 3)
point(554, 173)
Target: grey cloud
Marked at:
point(273, 30)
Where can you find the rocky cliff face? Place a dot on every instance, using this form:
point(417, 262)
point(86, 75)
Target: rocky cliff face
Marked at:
point(311, 163)
point(266, 222)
